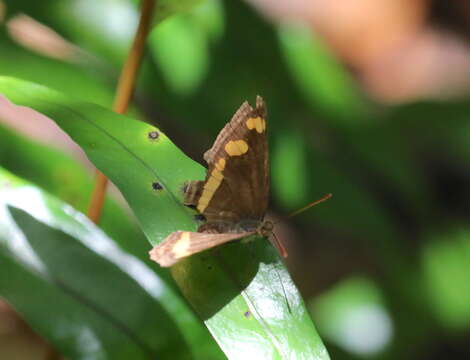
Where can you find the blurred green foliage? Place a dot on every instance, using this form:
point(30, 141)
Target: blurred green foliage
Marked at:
point(394, 236)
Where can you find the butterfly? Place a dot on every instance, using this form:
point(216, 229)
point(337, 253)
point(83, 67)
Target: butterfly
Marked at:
point(233, 198)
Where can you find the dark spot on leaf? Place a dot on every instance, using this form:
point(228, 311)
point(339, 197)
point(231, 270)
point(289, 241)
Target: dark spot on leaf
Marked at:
point(153, 135)
point(157, 186)
point(209, 267)
point(199, 217)
point(247, 314)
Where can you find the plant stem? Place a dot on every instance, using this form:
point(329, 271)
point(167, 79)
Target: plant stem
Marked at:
point(124, 91)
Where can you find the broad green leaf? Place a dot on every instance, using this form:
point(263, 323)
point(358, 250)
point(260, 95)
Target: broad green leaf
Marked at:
point(108, 138)
point(62, 176)
point(242, 291)
point(106, 304)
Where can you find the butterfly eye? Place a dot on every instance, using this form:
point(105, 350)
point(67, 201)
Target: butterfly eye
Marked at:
point(268, 226)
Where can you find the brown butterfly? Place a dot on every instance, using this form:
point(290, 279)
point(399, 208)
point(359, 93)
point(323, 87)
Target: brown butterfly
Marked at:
point(234, 196)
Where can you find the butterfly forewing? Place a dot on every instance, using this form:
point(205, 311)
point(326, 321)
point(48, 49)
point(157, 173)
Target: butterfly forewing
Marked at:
point(237, 183)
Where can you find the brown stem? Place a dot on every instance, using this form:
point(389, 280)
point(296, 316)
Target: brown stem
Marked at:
point(124, 91)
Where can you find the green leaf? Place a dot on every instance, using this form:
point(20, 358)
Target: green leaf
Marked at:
point(106, 303)
point(118, 145)
point(62, 176)
point(242, 290)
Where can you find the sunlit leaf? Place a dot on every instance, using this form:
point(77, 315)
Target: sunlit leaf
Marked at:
point(106, 303)
point(62, 176)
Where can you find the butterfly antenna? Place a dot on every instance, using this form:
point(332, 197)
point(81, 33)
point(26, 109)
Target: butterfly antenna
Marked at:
point(308, 206)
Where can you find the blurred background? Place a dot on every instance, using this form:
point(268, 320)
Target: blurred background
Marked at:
point(367, 99)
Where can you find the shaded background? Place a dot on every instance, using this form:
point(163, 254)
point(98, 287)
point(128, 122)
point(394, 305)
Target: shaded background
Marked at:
point(367, 100)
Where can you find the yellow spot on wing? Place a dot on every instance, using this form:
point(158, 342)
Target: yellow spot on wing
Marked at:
point(220, 165)
point(212, 184)
point(201, 207)
point(210, 187)
point(216, 174)
point(203, 201)
point(236, 147)
point(257, 123)
point(181, 247)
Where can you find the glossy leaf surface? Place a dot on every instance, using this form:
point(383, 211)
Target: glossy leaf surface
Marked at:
point(106, 303)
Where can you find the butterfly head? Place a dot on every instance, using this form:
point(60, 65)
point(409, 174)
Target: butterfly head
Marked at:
point(266, 228)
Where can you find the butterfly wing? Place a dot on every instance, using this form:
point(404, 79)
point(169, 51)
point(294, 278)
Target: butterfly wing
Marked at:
point(181, 244)
point(237, 183)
